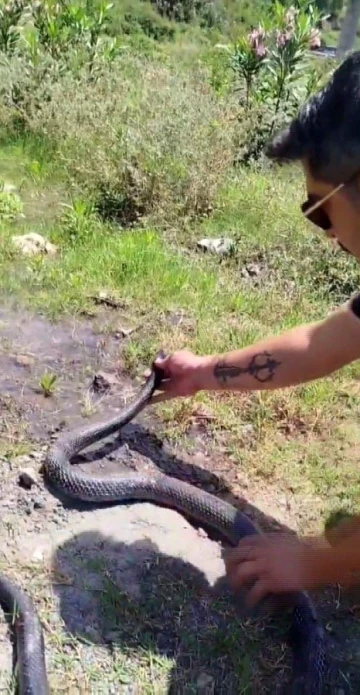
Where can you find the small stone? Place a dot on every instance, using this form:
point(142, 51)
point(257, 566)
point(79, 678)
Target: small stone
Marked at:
point(253, 269)
point(24, 360)
point(37, 455)
point(124, 332)
point(92, 634)
point(112, 637)
point(33, 244)
point(27, 478)
point(221, 246)
point(103, 297)
point(248, 431)
point(205, 684)
point(38, 555)
point(39, 504)
point(103, 382)
point(9, 188)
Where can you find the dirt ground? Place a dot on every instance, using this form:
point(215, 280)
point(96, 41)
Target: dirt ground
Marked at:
point(131, 597)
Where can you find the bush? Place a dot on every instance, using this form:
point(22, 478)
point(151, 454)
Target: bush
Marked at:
point(141, 140)
point(10, 14)
point(138, 16)
point(213, 13)
point(273, 71)
point(10, 204)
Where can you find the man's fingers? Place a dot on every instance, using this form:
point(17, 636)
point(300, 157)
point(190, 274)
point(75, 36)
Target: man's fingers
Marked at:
point(236, 555)
point(243, 573)
point(257, 592)
point(245, 550)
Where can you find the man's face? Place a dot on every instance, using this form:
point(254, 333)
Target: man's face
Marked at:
point(342, 212)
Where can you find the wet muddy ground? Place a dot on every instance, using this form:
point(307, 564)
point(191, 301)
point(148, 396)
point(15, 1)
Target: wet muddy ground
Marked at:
point(131, 597)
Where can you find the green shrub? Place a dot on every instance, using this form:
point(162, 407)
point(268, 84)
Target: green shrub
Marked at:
point(141, 140)
point(137, 16)
point(10, 205)
point(10, 15)
point(78, 223)
point(274, 71)
point(227, 14)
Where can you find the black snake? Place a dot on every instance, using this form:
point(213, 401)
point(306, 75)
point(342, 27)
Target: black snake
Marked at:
point(306, 633)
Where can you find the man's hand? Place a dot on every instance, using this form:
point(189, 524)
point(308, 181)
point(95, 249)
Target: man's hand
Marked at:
point(274, 563)
point(183, 375)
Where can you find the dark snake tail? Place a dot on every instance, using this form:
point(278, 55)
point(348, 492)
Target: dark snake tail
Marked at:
point(307, 636)
point(30, 651)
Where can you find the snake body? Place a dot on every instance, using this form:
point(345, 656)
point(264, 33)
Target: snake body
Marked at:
point(30, 651)
point(306, 633)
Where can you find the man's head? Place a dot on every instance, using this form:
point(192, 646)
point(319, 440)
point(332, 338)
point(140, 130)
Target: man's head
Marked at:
point(325, 137)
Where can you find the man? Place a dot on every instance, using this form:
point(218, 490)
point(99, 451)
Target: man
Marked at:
point(325, 139)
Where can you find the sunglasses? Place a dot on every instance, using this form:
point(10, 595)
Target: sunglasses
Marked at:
point(313, 209)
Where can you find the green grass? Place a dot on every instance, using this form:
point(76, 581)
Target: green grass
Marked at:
point(179, 297)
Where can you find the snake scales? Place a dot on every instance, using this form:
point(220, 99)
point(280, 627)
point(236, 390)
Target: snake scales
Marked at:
point(306, 634)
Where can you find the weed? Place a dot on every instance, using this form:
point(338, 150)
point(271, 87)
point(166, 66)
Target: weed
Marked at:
point(88, 406)
point(10, 205)
point(48, 384)
point(78, 222)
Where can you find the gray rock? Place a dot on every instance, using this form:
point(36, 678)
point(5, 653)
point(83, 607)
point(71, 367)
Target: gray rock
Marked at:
point(39, 503)
point(27, 478)
point(24, 360)
point(205, 684)
point(103, 381)
point(92, 633)
point(112, 637)
point(221, 246)
point(9, 188)
point(37, 455)
point(253, 269)
point(248, 431)
point(32, 244)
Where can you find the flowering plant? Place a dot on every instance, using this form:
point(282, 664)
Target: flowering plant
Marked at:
point(277, 50)
point(248, 58)
point(273, 76)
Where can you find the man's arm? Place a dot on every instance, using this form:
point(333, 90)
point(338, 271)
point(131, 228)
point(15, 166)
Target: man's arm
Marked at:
point(298, 356)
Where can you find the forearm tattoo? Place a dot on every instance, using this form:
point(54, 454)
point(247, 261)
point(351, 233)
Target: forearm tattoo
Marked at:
point(262, 368)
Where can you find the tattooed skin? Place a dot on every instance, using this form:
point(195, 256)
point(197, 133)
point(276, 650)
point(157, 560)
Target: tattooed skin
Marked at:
point(261, 366)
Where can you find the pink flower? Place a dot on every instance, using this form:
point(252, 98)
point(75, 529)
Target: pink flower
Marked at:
point(260, 50)
point(256, 40)
point(283, 37)
point(255, 37)
point(314, 39)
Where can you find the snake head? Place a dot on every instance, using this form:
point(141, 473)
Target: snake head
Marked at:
point(157, 370)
